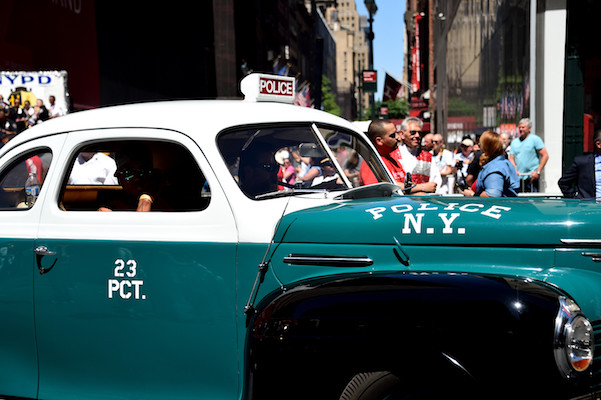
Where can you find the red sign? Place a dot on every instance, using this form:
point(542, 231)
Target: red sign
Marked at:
point(384, 111)
point(370, 76)
point(277, 87)
point(370, 81)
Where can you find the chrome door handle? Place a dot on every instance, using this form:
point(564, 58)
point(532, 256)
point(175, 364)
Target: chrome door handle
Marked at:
point(40, 252)
point(43, 251)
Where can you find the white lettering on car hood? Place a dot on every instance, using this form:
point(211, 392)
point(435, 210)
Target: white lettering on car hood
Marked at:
point(413, 216)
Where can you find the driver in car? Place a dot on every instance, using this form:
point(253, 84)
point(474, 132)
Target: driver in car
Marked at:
point(258, 172)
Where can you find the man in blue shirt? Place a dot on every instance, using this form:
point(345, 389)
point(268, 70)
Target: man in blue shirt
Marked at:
point(583, 179)
point(529, 156)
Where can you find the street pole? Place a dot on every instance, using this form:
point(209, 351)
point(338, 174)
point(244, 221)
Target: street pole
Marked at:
point(371, 8)
point(360, 87)
point(371, 63)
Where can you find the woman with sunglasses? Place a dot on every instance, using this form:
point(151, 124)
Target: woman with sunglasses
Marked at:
point(498, 177)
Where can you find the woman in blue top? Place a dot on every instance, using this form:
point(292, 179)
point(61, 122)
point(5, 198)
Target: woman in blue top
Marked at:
point(498, 177)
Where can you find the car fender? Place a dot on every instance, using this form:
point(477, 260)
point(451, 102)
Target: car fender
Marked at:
point(460, 327)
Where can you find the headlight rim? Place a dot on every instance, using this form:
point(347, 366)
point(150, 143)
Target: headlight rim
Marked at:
point(567, 316)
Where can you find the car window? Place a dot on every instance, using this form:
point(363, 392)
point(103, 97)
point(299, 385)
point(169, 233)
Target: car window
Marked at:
point(134, 175)
point(266, 160)
point(22, 181)
point(353, 154)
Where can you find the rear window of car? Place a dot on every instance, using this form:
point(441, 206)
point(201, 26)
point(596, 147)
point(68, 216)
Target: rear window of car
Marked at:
point(114, 175)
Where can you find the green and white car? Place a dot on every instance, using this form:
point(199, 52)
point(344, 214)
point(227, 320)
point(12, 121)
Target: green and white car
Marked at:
point(237, 285)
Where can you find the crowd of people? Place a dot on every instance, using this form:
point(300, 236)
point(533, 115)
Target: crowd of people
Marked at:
point(312, 169)
point(16, 117)
point(492, 165)
point(487, 165)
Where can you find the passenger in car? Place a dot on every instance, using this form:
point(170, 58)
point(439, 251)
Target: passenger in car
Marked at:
point(92, 168)
point(139, 180)
point(311, 171)
point(329, 179)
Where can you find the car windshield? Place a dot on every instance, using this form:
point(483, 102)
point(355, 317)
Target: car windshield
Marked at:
point(269, 161)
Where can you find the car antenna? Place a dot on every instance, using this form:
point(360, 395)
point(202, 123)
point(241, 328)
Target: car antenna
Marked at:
point(249, 308)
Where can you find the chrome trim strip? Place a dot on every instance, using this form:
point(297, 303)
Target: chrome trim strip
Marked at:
point(328, 261)
point(582, 242)
point(595, 256)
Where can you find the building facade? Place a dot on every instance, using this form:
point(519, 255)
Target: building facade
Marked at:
point(120, 52)
point(352, 50)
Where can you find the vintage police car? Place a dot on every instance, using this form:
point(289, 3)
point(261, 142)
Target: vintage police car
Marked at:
point(237, 284)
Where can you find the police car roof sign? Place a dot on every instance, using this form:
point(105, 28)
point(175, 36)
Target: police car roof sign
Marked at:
point(264, 87)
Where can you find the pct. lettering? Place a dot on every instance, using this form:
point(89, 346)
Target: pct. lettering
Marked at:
point(126, 289)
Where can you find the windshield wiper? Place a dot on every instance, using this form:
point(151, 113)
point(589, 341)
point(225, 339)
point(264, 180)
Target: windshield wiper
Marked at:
point(285, 193)
point(382, 189)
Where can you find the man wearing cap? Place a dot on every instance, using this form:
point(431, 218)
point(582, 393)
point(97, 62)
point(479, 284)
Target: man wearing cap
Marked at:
point(385, 138)
point(529, 156)
point(583, 179)
point(418, 160)
point(462, 160)
point(329, 178)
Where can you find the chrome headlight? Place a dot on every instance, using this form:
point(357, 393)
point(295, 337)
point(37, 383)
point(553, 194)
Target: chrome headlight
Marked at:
point(573, 339)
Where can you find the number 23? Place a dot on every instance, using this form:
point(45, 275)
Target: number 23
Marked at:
point(120, 266)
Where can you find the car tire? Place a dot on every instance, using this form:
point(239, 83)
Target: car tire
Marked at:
point(370, 386)
point(384, 385)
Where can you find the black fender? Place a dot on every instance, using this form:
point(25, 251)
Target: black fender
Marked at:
point(427, 328)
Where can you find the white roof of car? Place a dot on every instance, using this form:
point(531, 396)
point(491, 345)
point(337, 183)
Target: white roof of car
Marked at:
point(193, 117)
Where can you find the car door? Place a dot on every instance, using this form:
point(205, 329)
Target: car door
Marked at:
point(137, 304)
point(18, 229)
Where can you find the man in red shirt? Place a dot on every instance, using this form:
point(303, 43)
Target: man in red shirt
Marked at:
point(385, 137)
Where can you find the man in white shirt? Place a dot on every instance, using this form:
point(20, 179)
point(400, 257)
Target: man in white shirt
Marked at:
point(443, 159)
point(416, 160)
point(55, 110)
point(93, 169)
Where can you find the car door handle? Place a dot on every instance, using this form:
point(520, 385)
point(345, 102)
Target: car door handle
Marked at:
point(40, 252)
point(43, 251)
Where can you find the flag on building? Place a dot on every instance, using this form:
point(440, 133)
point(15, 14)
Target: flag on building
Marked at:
point(391, 88)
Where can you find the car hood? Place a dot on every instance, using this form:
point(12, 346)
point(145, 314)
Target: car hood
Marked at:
point(445, 221)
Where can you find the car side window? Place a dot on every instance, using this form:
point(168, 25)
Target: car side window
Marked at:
point(134, 175)
point(23, 179)
point(269, 161)
point(353, 155)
